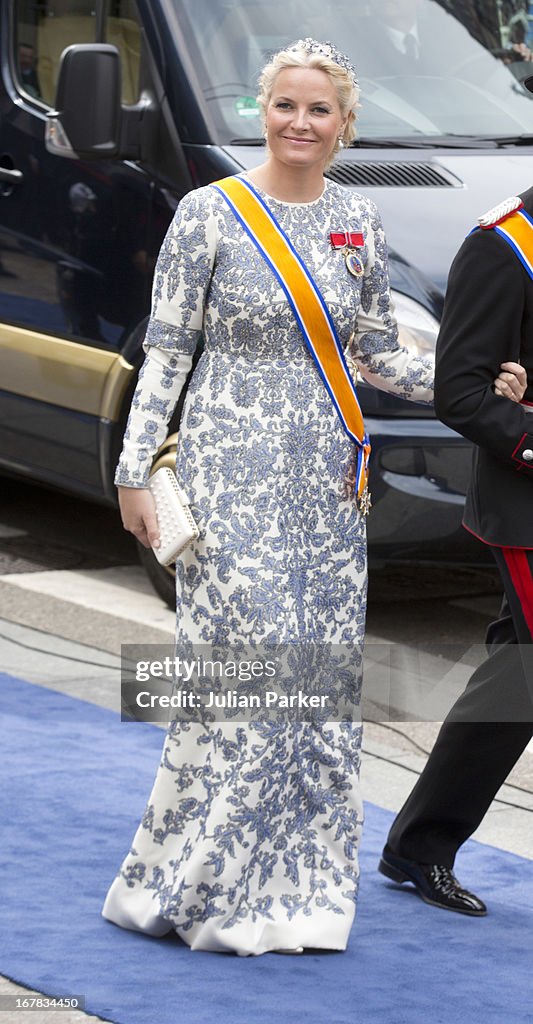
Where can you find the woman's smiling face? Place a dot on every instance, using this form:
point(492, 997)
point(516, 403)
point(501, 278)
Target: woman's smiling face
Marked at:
point(303, 118)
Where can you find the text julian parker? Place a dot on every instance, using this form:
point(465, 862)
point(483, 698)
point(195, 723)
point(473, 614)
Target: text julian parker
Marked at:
point(231, 699)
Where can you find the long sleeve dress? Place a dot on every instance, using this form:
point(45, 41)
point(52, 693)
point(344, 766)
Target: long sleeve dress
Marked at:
point(250, 836)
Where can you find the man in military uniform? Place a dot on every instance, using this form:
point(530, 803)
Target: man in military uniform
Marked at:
point(487, 319)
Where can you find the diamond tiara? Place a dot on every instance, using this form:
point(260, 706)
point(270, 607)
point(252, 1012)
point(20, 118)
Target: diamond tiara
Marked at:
point(326, 50)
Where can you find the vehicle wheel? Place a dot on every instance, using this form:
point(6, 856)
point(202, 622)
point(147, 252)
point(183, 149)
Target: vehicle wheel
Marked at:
point(162, 577)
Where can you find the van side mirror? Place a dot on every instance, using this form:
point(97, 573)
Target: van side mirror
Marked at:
point(86, 121)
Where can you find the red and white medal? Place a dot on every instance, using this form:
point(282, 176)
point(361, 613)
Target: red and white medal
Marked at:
point(350, 242)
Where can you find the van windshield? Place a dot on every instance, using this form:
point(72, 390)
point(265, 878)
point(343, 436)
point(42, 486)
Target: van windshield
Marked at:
point(427, 68)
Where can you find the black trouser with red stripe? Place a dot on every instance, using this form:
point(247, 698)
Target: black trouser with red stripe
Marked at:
point(483, 736)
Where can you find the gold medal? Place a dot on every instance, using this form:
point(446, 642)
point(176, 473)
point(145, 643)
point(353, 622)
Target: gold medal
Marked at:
point(354, 262)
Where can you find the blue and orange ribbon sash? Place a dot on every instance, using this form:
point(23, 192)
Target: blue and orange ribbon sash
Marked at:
point(309, 308)
point(517, 231)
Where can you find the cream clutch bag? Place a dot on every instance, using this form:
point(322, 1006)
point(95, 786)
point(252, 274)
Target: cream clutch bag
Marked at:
point(177, 527)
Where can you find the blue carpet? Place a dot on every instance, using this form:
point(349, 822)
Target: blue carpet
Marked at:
point(76, 781)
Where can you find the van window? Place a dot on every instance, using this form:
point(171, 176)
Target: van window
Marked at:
point(44, 28)
point(43, 32)
point(427, 68)
point(122, 29)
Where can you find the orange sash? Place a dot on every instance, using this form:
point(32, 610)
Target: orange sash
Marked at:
point(310, 311)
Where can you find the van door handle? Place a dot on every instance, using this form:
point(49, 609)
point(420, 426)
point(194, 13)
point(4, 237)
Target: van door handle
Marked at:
point(12, 176)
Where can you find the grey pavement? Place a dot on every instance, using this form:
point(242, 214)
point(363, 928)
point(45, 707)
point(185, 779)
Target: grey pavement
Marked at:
point(58, 643)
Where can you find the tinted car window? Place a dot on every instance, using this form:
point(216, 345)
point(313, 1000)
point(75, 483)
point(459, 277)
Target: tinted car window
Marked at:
point(43, 32)
point(45, 29)
point(122, 29)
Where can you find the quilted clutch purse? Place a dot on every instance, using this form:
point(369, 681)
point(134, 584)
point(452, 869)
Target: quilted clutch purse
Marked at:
point(177, 527)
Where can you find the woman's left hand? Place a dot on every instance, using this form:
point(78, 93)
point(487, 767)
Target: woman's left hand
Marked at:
point(511, 382)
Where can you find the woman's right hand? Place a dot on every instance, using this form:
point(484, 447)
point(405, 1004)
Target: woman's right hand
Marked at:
point(137, 509)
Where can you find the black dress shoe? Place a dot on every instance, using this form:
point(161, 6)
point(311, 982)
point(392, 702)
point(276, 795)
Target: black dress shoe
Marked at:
point(435, 883)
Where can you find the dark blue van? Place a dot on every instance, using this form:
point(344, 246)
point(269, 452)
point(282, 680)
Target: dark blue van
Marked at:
point(156, 97)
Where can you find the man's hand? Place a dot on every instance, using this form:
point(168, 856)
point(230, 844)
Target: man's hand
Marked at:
point(137, 509)
point(511, 382)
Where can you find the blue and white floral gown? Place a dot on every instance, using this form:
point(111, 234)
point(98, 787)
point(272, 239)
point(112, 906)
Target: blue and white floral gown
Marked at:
point(249, 840)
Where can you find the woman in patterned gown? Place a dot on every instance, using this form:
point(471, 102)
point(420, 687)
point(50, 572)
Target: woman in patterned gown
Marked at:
point(250, 837)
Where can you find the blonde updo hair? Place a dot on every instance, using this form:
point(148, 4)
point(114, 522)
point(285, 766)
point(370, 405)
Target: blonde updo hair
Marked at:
point(298, 56)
